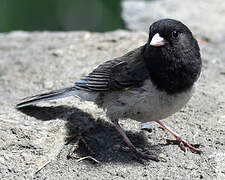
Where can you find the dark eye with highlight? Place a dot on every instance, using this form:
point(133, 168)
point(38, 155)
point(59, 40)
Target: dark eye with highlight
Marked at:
point(174, 34)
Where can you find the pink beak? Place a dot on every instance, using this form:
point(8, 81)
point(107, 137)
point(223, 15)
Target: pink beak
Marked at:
point(157, 40)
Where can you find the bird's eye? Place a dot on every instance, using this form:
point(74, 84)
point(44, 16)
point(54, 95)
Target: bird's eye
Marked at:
point(174, 34)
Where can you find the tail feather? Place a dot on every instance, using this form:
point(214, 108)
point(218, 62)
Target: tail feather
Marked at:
point(61, 93)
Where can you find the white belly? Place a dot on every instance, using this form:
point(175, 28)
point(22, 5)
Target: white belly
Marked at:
point(145, 104)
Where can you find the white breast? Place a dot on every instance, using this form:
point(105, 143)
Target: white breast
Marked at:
point(144, 104)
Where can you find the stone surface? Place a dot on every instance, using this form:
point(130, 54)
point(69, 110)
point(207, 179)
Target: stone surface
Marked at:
point(204, 17)
point(34, 142)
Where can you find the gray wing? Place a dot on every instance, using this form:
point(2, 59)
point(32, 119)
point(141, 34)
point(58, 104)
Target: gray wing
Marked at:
point(120, 73)
point(117, 74)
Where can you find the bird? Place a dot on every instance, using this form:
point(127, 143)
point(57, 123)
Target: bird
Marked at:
point(149, 83)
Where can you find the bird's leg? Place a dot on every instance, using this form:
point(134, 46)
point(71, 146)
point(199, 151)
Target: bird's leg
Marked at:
point(143, 155)
point(179, 141)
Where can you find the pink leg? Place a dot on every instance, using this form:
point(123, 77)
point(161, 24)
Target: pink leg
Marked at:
point(182, 143)
point(132, 147)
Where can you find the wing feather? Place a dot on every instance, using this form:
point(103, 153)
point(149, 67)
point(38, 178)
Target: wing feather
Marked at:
point(123, 72)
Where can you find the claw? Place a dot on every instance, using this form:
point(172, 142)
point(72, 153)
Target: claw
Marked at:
point(182, 144)
point(146, 155)
point(179, 141)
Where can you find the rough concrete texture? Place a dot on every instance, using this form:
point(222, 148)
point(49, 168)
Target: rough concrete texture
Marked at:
point(35, 142)
point(204, 17)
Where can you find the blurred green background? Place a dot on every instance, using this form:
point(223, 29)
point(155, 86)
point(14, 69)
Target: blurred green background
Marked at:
point(60, 15)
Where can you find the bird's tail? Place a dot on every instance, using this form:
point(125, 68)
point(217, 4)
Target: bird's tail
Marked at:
point(61, 93)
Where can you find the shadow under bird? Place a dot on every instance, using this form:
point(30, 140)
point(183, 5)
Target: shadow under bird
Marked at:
point(147, 84)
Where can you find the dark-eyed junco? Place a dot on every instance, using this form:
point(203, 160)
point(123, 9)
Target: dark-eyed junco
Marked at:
point(149, 83)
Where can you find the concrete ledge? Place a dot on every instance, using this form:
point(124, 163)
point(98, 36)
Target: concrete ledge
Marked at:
point(205, 18)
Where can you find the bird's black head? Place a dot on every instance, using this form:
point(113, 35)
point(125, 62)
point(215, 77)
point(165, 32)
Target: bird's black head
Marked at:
point(172, 55)
point(172, 35)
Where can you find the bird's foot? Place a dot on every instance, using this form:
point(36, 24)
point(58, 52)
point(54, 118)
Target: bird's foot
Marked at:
point(184, 144)
point(139, 155)
point(179, 141)
point(148, 156)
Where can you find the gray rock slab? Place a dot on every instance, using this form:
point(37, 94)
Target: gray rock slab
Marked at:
point(205, 17)
point(33, 142)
